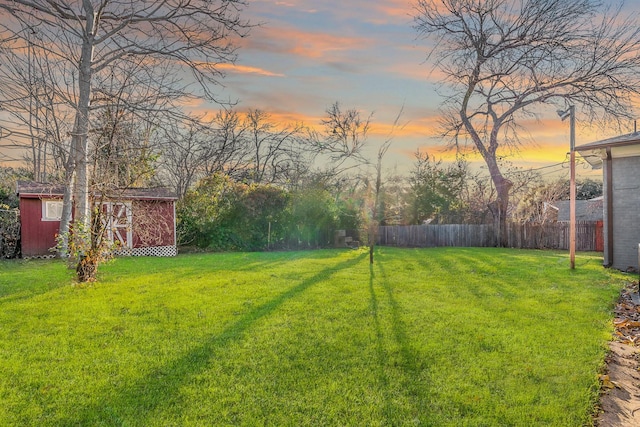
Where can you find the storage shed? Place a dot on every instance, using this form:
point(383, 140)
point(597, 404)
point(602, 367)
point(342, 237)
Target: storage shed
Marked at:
point(141, 220)
point(619, 157)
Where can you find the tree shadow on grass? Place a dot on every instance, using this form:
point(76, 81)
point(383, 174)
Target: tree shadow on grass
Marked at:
point(200, 265)
point(478, 280)
point(383, 357)
point(161, 386)
point(410, 363)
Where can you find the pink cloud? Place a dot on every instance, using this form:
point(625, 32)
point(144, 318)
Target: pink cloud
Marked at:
point(398, 11)
point(245, 69)
point(301, 43)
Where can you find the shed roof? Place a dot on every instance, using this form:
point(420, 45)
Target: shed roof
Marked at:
point(30, 189)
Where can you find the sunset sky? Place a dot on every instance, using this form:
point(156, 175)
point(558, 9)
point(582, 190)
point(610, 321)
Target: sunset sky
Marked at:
point(304, 55)
point(364, 54)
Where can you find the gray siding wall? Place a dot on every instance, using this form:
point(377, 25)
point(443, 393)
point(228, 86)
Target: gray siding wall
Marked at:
point(626, 212)
point(607, 261)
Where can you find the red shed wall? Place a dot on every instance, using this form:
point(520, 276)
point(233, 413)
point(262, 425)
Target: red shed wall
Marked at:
point(153, 223)
point(37, 236)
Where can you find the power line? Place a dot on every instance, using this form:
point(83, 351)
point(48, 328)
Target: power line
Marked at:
point(549, 166)
point(561, 164)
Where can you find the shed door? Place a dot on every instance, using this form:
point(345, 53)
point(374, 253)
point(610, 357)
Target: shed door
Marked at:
point(118, 223)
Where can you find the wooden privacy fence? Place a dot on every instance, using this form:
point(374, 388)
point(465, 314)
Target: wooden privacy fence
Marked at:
point(553, 235)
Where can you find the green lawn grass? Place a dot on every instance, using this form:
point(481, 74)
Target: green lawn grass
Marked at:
point(429, 337)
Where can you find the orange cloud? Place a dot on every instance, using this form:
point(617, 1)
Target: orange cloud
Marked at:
point(526, 156)
point(305, 44)
point(245, 69)
point(396, 10)
point(285, 118)
point(421, 128)
point(192, 104)
point(361, 10)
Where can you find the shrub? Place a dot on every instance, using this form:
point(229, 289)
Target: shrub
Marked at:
point(221, 214)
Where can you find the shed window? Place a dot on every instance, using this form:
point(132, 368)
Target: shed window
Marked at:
point(51, 210)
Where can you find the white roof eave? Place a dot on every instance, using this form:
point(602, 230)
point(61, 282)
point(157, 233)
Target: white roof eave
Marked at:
point(594, 157)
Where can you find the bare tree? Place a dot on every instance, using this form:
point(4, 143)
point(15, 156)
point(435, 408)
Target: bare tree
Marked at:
point(394, 203)
point(503, 58)
point(536, 204)
point(227, 150)
point(30, 93)
point(250, 148)
point(342, 140)
point(122, 155)
point(185, 153)
point(37, 95)
point(274, 149)
point(178, 37)
point(375, 210)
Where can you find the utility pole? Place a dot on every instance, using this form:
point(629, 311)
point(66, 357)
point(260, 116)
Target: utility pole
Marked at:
point(571, 114)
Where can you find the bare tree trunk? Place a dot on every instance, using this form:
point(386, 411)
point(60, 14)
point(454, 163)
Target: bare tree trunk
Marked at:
point(373, 226)
point(81, 126)
point(67, 208)
point(503, 187)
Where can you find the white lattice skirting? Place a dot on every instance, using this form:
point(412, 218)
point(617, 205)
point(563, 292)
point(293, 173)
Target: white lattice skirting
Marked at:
point(39, 257)
point(149, 251)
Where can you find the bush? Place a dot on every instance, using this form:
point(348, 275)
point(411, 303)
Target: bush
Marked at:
point(9, 232)
point(314, 217)
point(221, 214)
